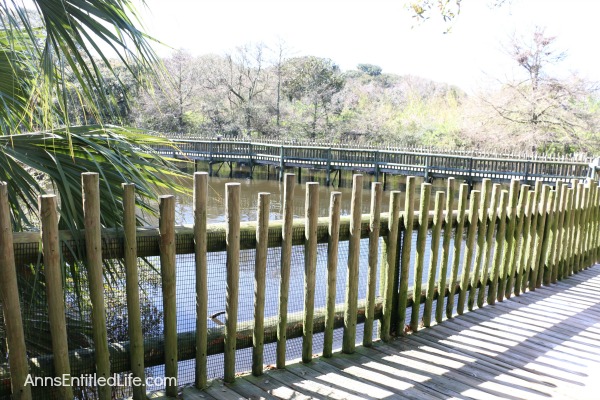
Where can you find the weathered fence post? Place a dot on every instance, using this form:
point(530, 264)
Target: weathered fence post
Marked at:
point(484, 205)
point(510, 246)
point(539, 242)
point(93, 246)
point(389, 264)
point(438, 221)
point(335, 205)
point(134, 319)
point(460, 224)
point(281, 163)
point(310, 267)
point(232, 237)
point(260, 269)
point(470, 250)
point(420, 256)
point(407, 219)
point(286, 257)
point(448, 222)
point(9, 297)
point(374, 227)
point(515, 255)
point(351, 297)
point(498, 249)
point(166, 225)
point(200, 206)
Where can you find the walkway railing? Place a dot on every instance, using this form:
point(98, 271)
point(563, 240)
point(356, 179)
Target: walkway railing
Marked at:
point(382, 161)
point(493, 245)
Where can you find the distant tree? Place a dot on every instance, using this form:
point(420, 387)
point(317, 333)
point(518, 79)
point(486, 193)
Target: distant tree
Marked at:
point(315, 81)
point(536, 109)
point(369, 69)
point(448, 10)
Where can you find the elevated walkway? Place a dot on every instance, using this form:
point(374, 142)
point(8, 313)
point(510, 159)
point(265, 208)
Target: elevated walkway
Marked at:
point(542, 344)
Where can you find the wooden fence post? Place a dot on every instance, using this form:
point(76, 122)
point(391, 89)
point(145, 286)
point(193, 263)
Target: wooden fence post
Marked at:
point(407, 218)
point(11, 306)
point(374, 227)
point(335, 205)
point(515, 255)
point(310, 267)
point(539, 242)
point(484, 205)
point(460, 224)
point(498, 247)
point(93, 246)
point(438, 220)
point(389, 265)
point(200, 206)
point(232, 235)
point(470, 250)
point(351, 297)
point(260, 270)
point(510, 246)
point(420, 256)
point(134, 319)
point(168, 268)
point(54, 290)
point(448, 222)
point(286, 257)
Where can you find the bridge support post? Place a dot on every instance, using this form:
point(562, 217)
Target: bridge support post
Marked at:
point(376, 166)
point(471, 173)
point(527, 166)
point(251, 159)
point(426, 170)
point(328, 179)
point(281, 164)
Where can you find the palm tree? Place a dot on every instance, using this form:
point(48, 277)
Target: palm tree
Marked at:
point(55, 57)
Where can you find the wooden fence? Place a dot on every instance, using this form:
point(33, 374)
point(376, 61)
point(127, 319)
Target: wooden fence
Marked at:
point(471, 168)
point(515, 240)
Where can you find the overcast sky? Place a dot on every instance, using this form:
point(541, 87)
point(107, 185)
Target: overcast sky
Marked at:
point(381, 32)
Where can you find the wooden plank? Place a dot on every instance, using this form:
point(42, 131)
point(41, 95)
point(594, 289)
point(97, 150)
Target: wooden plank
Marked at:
point(93, 246)
point(272, 386)
point(434, 249)
point(286, 258)
point(310, 266)
point(332, 264)
point(260, 270)
point(374, 225)
point(420, 254)
point(200, 199)
point(351, 294)
point(232, 215)
point(439, 309)
point(306, 380)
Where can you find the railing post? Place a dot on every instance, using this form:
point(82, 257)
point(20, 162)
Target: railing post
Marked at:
point(426, 170)
point(93, 246)
point(210, 158)
point(251, 158)
point(470, 173)
point(470, 246)
point(286, 256)
point(438, 220)
point(439, 307)
point(389, 264)
point(169, 291)
point(9, 296)
point(408, 218)
point(376, 165)
point(200, 240)
point(374, 227)
point(310, 267)
point(335, 205)
point(260, 269)
point(134, 320)
point(351, 297)
point(420, 254)
point(232, 235)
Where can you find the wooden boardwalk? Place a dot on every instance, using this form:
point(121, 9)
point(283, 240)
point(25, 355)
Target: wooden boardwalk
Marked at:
point(543, 344)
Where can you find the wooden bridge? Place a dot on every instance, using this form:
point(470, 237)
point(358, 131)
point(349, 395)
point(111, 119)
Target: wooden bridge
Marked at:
point(379, 162)
point(508, 310)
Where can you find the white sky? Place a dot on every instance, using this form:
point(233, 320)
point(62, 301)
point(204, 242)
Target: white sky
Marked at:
point(380, 32)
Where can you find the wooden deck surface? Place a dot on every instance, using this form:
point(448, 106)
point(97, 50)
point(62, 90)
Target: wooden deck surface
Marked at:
point(543, 344)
